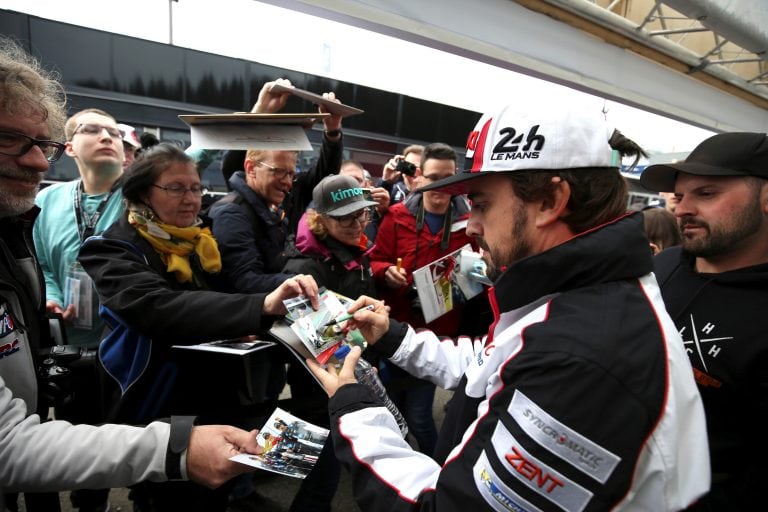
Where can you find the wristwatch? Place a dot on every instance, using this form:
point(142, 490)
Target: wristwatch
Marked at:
point(333, 133)
point(178, 441)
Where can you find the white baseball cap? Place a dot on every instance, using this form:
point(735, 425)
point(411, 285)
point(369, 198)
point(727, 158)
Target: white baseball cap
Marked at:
point(534, 138)
point(129, 135)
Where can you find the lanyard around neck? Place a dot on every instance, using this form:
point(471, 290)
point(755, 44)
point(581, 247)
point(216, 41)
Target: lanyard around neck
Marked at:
point(447, 217)
point(86, 224)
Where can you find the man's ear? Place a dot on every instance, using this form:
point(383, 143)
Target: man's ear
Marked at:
point(764, 197)
point(555, 206)
point(68, 149)
point(248, 167)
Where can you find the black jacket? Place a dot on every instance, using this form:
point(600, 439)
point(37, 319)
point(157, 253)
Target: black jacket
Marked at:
point(580, 397)
point(23, 325)
point(253, 239)
point(721, 319)
point(338, 267)
point(150, 300)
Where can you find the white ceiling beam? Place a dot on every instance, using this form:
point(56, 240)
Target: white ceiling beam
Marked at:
point(506, 34)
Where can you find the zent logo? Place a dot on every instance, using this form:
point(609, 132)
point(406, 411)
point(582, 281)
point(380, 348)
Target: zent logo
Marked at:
point(531, 471)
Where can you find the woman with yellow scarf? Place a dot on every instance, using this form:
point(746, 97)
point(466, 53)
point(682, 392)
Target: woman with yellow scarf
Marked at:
point(155, 271)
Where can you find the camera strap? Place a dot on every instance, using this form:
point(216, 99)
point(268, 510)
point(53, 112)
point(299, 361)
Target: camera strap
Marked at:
point(447, 216)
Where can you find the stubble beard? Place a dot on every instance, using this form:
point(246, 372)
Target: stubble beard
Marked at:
point(497, 259)
point(723, 238)
point(12, 202)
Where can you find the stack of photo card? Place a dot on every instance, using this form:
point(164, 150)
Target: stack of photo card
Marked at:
point(236, 346)
point(322, 331)
point(290, 446)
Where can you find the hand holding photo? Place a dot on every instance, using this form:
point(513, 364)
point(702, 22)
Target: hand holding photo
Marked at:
point(290, 445)
point(449, 281)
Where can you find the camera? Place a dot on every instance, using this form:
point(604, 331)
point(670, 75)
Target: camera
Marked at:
point(405, 167)
point(54, 371)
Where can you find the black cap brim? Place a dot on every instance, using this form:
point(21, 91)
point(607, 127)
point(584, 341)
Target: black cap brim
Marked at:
point(661, 177)
point(456, 184)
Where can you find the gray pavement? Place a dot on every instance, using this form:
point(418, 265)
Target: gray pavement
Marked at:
point(275, 491)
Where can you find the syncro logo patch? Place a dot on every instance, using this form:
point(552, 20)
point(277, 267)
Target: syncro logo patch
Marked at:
point(536, 475)
point(583, 454)
point(495, 492)
point(340, 195)
point(511, 147)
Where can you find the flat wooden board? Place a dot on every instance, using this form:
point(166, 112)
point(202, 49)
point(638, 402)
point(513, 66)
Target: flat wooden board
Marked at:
point(254, 119)
point(333, 107)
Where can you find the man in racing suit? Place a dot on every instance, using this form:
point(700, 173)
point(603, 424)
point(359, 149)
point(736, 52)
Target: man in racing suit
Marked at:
point(580, 397)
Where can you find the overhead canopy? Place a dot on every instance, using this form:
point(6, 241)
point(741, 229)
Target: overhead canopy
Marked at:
point(582, 45)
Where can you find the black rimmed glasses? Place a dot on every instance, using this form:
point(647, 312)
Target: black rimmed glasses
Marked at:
point(347, 221)
point(96, 129)
point(279, 172)
point(17, 144)
point(178, 190)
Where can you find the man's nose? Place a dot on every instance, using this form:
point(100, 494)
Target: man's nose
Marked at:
point(684, 207)
point(474, 228)
point(34, 159)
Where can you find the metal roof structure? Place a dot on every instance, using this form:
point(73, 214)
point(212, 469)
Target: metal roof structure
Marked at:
point(698, 61)
point(726, 40)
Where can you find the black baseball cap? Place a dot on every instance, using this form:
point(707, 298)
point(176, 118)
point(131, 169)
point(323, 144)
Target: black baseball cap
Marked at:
point(338, 195)
point(725, 154)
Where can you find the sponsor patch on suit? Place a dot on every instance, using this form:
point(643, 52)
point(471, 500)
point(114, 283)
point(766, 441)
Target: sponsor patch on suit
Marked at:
point(575, 449)
point(537, 476)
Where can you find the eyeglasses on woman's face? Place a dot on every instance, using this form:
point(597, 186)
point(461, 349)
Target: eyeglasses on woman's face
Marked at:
point(17, 144)
point(347, 221)
point(279, 172)
point(179, 190)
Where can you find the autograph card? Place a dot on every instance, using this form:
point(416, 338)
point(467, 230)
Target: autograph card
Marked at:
point(290, 446)
point(313, 329)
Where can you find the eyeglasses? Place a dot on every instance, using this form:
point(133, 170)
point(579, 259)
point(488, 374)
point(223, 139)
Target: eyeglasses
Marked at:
point(279, 172)
point(347, 221)
point(178, 190)
point(17, 144)
point(96, 129)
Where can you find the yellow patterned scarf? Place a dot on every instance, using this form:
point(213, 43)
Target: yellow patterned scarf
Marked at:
point(175, 244)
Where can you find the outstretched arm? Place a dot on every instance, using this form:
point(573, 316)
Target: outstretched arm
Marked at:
point(56, 455)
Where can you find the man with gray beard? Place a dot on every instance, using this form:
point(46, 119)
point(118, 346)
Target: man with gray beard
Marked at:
point(55, 455)
point(715, 287)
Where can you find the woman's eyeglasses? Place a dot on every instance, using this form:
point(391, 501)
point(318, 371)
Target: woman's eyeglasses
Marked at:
point(17, 144)
point(96, 129)
point(178, 190)
point(347, 221)
point(279, 172)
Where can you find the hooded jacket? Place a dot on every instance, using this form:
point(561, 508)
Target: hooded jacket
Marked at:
point(720, 317)
point(580, 398)
point(401, 236)
point(337, 266)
